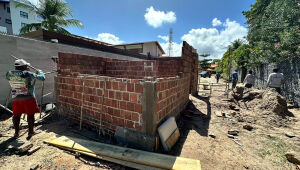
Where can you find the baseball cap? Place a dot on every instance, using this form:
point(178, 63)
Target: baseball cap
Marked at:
point(21, 62)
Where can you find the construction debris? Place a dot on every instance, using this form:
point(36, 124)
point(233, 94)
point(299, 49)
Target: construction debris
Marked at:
point(293, 157)
point(32, 150)
point(25, 147)
point(248, 127)
point(233, 132)
point(290, 134)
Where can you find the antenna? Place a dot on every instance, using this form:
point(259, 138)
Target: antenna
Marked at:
point(170, 42)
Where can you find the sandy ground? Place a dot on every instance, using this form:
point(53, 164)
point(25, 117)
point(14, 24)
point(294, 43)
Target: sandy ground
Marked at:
point(262, 148)
point(48, 157)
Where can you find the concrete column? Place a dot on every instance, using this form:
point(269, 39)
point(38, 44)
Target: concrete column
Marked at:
point(149, 103)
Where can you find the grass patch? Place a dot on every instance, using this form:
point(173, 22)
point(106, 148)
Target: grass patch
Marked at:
point(274, 148)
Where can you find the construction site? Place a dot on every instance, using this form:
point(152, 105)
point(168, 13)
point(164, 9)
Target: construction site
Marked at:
point(151, 113)
point(73, 102)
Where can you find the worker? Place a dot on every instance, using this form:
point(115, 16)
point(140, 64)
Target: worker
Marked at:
point(234, 78)
point(22, 81)
point(249, 79)
point(276, 80)
point(218, 75)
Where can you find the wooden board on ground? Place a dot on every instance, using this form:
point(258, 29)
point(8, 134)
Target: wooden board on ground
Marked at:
point(117, 161)
point(127, 154)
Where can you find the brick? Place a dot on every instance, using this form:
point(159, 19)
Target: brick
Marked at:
point(138, 127)
point(123, 105)
point(115, 85)
point(118, 95)
point(135, 117)
point(130, 106)
point(111, 94)
point(129, 123)
point(125, 96)
point(99, 92)
point(130, 87)
point(133, 97)
point(122, 86)
point(138, 108)
point(138, 88)
point(127, 115)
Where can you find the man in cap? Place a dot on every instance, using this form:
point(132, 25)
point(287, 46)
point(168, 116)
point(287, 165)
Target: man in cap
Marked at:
point(22, 83)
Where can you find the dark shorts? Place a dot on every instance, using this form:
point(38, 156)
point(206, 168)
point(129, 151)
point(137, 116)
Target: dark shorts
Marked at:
point(278, 89)
point(248, 85)
point(29, 107)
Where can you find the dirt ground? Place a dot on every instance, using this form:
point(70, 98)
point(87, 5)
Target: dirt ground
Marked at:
point(204, 136)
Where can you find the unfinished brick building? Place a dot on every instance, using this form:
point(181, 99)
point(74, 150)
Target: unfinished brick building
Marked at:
point(127, 99)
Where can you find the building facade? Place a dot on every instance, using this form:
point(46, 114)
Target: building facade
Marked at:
point(151, 48)
point(13, 18)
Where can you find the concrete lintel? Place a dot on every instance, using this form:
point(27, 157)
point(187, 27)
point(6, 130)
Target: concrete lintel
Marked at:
point(149, 103)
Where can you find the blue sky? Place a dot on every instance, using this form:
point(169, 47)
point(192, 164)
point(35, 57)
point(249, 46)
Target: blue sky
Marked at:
point(126, 21)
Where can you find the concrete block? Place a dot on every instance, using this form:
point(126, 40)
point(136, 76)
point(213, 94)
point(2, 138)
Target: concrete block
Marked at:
point(134, 139)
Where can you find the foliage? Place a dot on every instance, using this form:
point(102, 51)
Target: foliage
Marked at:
point(54, 15)
point(274, 32)
point(215, 61)
point(205, 63)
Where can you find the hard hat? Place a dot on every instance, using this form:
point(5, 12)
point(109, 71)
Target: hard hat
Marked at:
point(21, 62)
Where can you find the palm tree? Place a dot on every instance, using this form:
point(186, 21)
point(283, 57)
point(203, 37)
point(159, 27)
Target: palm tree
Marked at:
point(53, 15)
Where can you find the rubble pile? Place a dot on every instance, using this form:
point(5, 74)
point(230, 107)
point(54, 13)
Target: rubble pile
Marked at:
point(260, 106)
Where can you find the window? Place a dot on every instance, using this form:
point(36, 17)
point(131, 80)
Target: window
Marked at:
point(8, 9)
point(7, 21)
point(24, 14)
point(23, 24)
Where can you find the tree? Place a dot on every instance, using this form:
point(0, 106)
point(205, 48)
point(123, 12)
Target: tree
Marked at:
point(205, 63)
point(215, 61)
point(53, 15)
point(274, 32)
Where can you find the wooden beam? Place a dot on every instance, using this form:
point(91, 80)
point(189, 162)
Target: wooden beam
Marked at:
point(127, 154)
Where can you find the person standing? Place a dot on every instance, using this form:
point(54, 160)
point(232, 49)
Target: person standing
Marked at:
point(276, 80)
point(234, 78)
point(249, 80)
point(218, 75)
point(22, 82)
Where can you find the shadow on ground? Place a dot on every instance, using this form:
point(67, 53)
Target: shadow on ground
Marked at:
point(192, 119)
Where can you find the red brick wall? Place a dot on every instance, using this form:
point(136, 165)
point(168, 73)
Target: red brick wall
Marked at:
point(132, 69)
point(82, 63)
point(172, 95)
point(121, 106)
point(169, 67)
point(190, 65)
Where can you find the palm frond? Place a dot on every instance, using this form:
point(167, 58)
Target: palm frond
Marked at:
point(30, 27)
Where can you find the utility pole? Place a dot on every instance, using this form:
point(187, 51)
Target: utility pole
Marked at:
point(170, 42)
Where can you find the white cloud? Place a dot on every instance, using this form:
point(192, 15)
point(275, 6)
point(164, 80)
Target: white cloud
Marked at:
point(163, 37)
point(216, 22)
point(157, 18)
point(109, 38)
point(213, 41)
point(176, 49)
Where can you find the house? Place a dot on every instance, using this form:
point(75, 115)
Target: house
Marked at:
point(12, 19)
point(151, 48)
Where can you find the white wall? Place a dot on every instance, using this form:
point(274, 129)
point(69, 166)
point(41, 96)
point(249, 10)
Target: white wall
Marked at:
point(152, 48)
point(17, 19)
point(3, 29)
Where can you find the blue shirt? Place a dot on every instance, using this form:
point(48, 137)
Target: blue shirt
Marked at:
point(235, 76)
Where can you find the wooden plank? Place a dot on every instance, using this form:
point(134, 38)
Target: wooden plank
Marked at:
point(117, 161)
point(127, 154)
point(173, 139)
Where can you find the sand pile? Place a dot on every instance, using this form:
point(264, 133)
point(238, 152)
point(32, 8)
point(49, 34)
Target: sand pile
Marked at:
point(260, 106)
